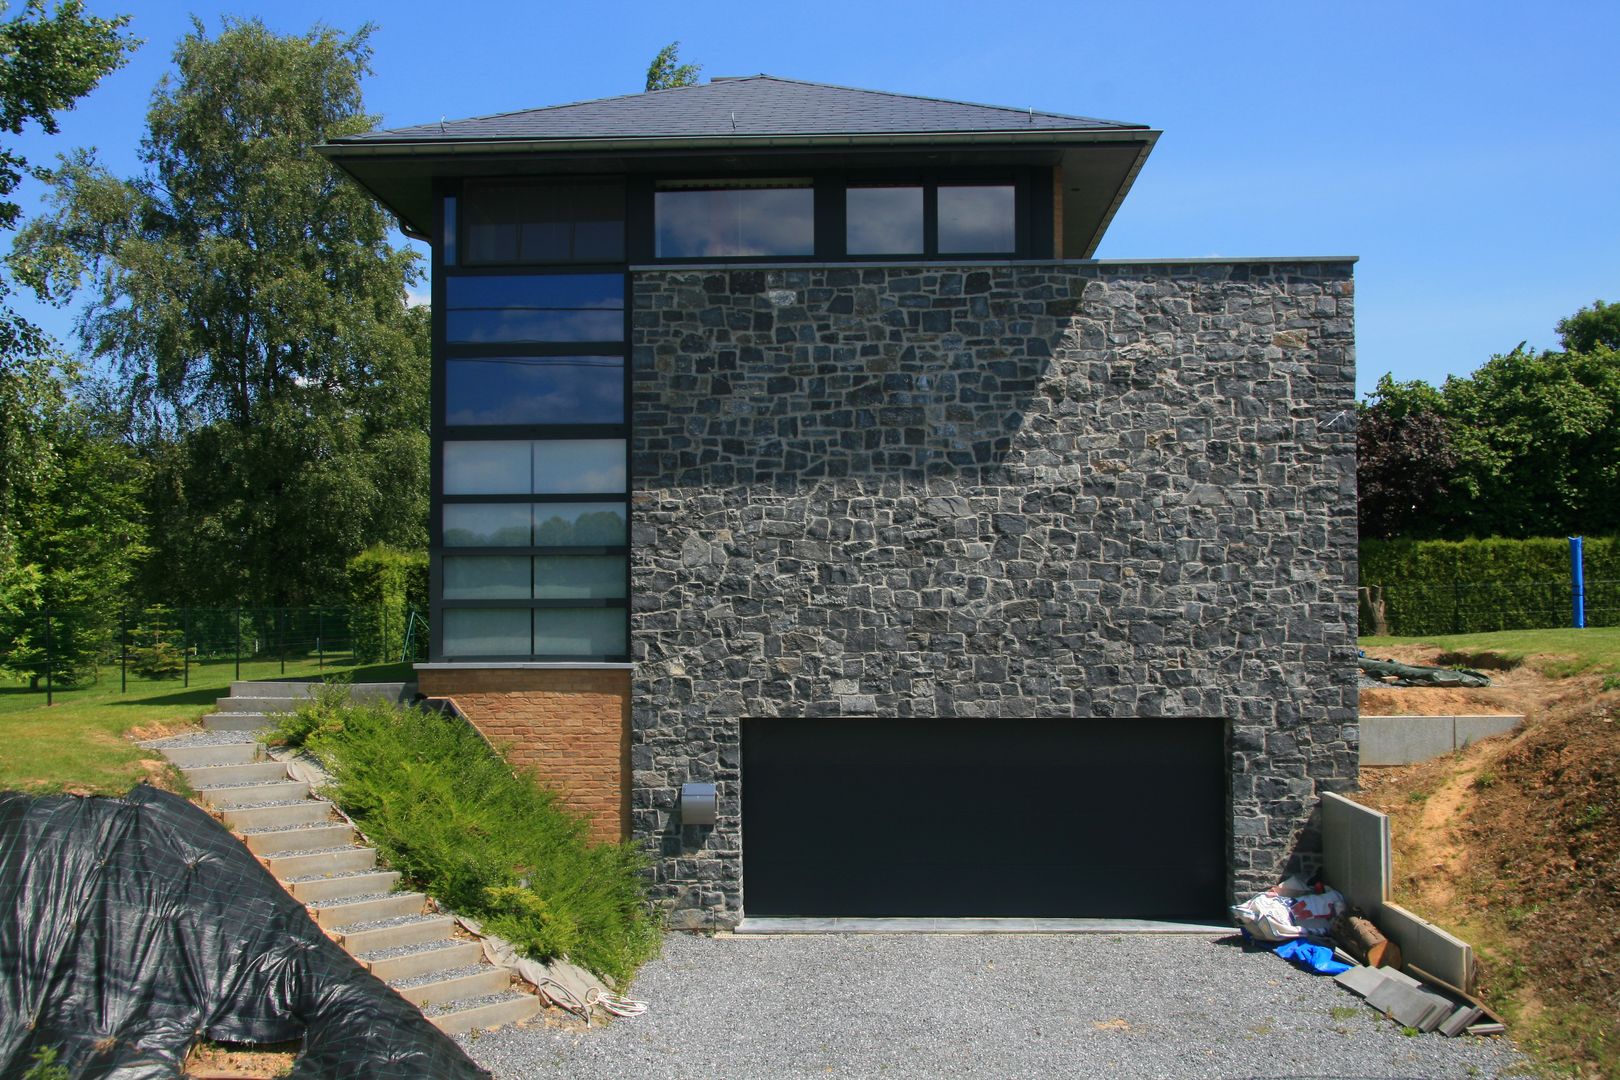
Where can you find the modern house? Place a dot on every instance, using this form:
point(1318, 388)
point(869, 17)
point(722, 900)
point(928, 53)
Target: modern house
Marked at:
point(788, 438)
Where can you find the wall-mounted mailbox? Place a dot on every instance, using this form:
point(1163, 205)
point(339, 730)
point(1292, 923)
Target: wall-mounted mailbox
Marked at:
point(699, 804)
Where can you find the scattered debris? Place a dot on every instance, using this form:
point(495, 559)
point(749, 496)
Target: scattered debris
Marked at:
point(1397, 674)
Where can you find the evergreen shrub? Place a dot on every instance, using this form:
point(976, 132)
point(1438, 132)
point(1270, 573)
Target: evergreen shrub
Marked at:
point(385, 584)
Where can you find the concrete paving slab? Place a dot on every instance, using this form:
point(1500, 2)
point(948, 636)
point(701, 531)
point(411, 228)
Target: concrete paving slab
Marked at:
point(1429, 947)
point(1458, 1021)
point(1361, 980)
point(1356, 851)
point(1401, 740)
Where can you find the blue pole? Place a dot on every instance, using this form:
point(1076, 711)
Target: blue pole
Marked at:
point(1577, 582)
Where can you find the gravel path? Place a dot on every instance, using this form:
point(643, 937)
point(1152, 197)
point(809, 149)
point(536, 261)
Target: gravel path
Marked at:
point(1162, 1006)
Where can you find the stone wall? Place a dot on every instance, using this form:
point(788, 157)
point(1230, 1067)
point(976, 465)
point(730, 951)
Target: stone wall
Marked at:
point(572, 728)
point(1055, 490)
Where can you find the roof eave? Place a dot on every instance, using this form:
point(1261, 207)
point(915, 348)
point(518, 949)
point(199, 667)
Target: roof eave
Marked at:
point(376, 147)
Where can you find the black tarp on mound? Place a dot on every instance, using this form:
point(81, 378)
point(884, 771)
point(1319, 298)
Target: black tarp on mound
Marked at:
point(130, 928)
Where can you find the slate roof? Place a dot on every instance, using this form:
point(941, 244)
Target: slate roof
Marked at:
point(749, 107)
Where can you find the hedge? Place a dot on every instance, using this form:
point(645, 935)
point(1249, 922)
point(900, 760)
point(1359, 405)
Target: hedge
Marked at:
point(1473, 586)
point(389, 584)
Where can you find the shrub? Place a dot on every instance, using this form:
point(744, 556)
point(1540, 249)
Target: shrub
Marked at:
point(450, 814)
point(384, 585)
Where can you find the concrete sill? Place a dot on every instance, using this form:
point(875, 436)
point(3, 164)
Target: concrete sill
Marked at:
point(522, 665)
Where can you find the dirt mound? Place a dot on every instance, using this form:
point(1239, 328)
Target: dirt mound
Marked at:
point(1515, 687)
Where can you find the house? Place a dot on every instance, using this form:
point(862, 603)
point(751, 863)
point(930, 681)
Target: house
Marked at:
point(788, 438)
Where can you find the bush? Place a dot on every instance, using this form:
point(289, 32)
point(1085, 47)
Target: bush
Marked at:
point(384, 586)
point(448, 812)
point(1473, 586)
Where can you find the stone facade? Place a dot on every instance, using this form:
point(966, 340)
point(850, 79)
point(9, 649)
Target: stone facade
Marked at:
point(570, 727)
point(1001, 490)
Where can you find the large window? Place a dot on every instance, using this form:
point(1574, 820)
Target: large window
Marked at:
point(977, 219)
point(509, 222)
point(883, 219)
point(706, 219)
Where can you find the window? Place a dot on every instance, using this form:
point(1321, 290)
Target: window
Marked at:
point(977, 218)
point(521, 308)
point(514, 390)
point(508, 222)
point(883, 220)
point(708, 219)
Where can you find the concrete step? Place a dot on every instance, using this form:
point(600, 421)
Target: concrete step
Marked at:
point(343, 860)
point(302, 838)
point(438, 956)
point(508, 1010)
point(237, 721)
point(490, 980)
point(197, 757)
point(224, 798)
point(347, 912)
point(257, 704)
point(338, 886)
point(296, 691)
point(409, 931)
point(251, 772)
point(304, 812)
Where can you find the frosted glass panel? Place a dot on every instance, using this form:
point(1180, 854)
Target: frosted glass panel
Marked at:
point(578, 577)
point(487, 577)
point(579, 525)
point(487, 468)
point(487, 632)
point(580, 632)
point(486, 525)
point(579, 466)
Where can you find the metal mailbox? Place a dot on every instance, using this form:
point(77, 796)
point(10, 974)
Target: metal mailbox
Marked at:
point(699, 804)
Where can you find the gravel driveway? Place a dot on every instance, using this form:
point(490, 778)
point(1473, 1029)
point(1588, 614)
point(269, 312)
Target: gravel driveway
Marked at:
point(1081, 1005)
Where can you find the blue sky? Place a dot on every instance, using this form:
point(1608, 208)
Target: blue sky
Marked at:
point(1468, 153)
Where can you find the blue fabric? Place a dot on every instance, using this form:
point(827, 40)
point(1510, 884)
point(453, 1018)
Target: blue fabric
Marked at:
point(1317, 958)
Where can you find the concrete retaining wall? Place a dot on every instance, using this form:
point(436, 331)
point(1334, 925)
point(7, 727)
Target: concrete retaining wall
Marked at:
point(1402, 740)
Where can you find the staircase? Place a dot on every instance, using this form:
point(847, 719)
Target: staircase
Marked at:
point(322, 861)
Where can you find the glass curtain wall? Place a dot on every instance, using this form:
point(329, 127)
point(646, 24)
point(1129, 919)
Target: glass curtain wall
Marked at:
point(532, 530)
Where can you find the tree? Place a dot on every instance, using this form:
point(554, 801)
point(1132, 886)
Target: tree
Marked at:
point(1405, 465)
point(48, 60)
point(667, 72)
point(1591, 328)
point(252, 303)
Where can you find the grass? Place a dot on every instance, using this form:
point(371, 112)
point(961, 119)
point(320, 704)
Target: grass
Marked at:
point(449, 813)
point(78, 743)
point(1555, 653)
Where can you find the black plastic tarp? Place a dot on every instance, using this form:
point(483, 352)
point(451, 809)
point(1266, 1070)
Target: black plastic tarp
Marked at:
point(132, 927)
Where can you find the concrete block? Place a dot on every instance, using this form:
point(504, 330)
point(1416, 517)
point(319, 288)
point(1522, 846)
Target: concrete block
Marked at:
point(1438, 1010)
point(1429, 947)
point(1471, 729)
point(1356, 853)
point(1361, 980)
point(1458, 1021)
point(1401, 740)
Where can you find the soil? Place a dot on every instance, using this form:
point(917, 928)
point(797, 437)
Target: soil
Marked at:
point(1518, 838)
point(229, 1061)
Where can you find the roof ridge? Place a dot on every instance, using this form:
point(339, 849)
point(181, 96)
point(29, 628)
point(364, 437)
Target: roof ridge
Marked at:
point(559, 105)
point(946, 101)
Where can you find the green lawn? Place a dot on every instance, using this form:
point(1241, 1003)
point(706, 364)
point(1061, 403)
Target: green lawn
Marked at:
point(78, 744)
point(1557, 653)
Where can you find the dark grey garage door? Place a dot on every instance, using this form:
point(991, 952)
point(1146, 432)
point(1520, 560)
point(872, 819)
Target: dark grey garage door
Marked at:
point(1047, 818)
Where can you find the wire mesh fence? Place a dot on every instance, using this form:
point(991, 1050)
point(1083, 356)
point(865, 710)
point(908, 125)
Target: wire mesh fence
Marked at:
point(47, 650)
point(1470, 607)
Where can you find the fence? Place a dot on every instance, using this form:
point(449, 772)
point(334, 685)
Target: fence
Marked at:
point(1475, 607)
point(51, 649)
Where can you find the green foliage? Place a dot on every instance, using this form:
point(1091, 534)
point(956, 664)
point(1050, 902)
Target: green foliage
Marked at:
point(253, 307)
point(156, 648)
point(666, 71)
point(1591, 328)
point(44, 1066)
point(1471, 586)
point(448, 812)
point(1404, 465)
point(384, 585)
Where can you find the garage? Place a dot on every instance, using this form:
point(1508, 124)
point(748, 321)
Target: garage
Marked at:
point(1090, 818)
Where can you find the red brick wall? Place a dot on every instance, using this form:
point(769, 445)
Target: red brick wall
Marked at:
point(572, 728)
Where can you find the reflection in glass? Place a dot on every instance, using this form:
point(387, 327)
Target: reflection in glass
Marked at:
point(976, 218)
point(487, 468)
point(580, 525)
point(487, 632)
point(708, 223)
point(486, 577)
point(537, 222)
point(486, 524)
point(578, 577)
point(580, 632)
point(884, 221)
point(534, 390)
point(579, 466)
point(447, 238)
point(534, 307)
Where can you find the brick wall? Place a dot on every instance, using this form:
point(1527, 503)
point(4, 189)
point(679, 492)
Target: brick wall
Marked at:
point(572, 728)
point(1046, 490)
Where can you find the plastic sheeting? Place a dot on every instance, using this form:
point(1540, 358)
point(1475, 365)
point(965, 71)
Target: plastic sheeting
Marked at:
point(132, 927)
